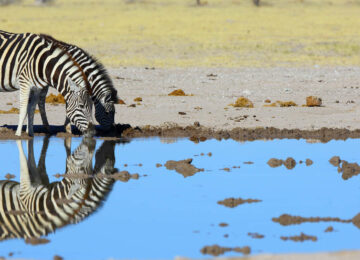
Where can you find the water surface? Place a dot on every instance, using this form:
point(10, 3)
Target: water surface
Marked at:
point(163, 215)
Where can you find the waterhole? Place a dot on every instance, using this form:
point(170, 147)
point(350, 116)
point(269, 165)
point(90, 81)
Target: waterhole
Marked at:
point(161, 198)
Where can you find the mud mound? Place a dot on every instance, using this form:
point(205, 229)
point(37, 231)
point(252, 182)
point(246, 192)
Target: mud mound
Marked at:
point(287, 220)
point(12, 110)
point(177, 92)
point(217, 250)
point(232, 202)
point(183, 167)
point(289, 163)
point(312, 101)
point(303, 237)
point(243, 102)
point(55, 99)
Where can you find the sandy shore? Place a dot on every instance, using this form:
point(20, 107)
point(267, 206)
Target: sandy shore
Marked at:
point(212, 90)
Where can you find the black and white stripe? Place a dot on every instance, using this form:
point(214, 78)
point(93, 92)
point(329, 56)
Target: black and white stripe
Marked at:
point(34, 208)
point(104, 94)
point(30, 63)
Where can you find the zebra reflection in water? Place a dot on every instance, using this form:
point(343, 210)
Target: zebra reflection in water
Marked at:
point(34, 207)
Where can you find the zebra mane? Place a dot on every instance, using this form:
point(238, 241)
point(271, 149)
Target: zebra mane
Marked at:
point(61, 45)
point(105, 76)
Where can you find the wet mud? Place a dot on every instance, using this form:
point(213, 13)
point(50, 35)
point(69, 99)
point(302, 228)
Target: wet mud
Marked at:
point(216, 250)
point(196, 134)
point(232, 202)
point(301, 238)
point(184, 167)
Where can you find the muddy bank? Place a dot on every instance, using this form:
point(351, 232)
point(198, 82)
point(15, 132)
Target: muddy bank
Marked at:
point(301, 238)
point(217, 250)
point(195, 133)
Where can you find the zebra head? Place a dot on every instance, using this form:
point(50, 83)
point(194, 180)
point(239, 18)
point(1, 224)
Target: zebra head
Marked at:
point(79, 108)
point(105, 109)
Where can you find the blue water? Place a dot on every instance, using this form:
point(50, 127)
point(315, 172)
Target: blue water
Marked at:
point(163, 214)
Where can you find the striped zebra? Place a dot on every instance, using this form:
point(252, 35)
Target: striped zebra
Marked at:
point(103, 92)
point(34, 208)
point(31, 64)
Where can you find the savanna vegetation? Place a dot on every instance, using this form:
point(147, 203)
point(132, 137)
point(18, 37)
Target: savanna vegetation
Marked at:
point(215, 33)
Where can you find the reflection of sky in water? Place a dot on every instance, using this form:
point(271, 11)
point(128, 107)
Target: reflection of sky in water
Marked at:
point(156, 216)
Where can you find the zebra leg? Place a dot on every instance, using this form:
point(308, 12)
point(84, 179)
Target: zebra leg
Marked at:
point(41, 167)
point(25, 182)
point(33, 100)
point(41, 104)
point(67, 125)
point(24, 100)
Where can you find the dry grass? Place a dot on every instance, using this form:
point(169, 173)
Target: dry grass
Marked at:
point(171, 33)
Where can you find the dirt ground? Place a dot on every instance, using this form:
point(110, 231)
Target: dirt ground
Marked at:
point(210, 91)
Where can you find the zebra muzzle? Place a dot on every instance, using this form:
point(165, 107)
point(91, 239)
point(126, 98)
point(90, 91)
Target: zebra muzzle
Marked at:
point(90, 131)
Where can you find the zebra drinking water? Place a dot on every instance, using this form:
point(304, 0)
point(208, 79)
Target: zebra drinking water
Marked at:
point(103, 92)
point(34, 208)
point(29, 63)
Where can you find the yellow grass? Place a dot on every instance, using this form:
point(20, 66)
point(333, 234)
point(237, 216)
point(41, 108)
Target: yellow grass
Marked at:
point(222, 33)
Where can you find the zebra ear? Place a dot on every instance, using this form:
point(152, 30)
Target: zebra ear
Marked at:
point(72, 86)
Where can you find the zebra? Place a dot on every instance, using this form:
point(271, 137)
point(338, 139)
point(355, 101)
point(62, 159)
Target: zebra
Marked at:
point(29, 63)
point(34, 208)
point(103, 92)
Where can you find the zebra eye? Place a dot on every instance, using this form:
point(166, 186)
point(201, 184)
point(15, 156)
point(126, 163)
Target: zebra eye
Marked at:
point(81, 106)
